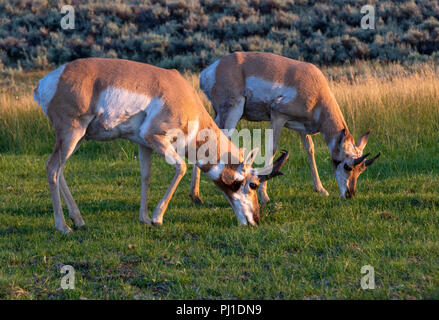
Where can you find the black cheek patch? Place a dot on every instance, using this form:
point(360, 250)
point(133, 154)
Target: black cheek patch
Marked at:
point(235, 186)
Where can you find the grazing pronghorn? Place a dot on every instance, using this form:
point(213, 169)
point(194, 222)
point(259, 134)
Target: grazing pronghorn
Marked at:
point(259, 86)
point(105, 99)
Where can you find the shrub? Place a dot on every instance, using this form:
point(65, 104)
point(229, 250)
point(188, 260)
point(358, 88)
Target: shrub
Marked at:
point(190, 34)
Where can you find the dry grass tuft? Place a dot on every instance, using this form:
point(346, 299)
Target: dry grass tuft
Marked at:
point(398, 103)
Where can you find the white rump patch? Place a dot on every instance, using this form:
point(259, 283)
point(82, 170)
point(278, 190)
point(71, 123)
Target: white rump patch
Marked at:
point(117, 105)
point(207, 78)
point(269, 92)
point(46, 89)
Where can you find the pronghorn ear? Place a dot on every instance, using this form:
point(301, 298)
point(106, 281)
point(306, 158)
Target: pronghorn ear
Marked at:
point(363, 141)
point(250, 158)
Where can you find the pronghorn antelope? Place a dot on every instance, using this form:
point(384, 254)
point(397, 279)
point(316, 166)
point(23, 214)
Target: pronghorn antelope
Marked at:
point(105, 99)
point(260, 86)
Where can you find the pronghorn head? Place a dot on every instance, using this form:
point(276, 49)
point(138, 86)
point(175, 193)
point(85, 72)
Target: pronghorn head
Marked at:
point(240, 182)
point(349, 162)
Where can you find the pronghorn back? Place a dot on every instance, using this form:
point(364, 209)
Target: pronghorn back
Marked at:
point(114, 90)
point(261, 86)
point(106, 99)
point(241, 69)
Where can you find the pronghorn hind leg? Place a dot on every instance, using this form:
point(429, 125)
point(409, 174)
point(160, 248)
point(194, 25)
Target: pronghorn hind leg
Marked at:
point(145, 172)
point(66, 142)
point(277, 123)
point(309, 148)
point(195, 186)
point(74, 213)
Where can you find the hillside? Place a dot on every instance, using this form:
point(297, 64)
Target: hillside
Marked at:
point(188, 35)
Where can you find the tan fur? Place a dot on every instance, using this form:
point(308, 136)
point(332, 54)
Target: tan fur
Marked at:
point(74, 116)
point(311, 85)
point(313, 100)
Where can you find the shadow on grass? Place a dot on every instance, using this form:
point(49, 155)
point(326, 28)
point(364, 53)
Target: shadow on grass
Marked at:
point(33, 210)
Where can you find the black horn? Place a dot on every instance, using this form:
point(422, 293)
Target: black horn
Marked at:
point(370, 161)
point(277, 165)
point(360, 159)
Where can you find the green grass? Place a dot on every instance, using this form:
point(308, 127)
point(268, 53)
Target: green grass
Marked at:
point(307, 246)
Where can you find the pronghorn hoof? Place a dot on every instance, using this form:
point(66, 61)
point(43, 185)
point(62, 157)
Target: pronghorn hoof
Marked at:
point(64, 229)
point(196, 199)
point(147, 222)
point(83, 227)
point(78, 223)
point(157, 223)
point(323, 191)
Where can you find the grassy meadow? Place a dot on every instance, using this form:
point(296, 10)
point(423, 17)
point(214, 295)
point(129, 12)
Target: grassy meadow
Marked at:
point(307, 247)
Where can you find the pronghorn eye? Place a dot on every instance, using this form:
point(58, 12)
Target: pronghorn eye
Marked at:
point(347, 168)
point(254, 186)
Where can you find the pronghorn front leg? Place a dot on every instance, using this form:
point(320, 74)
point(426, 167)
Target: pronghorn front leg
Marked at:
point(195, 185)
point(163, 147)
point(309, 148)
point(278, 121)
point(145, 172)
point(227, 120)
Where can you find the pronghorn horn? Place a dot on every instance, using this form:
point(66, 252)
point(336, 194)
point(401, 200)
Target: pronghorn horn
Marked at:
point(360, 159)
point(277, 165)
point(370, 161)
